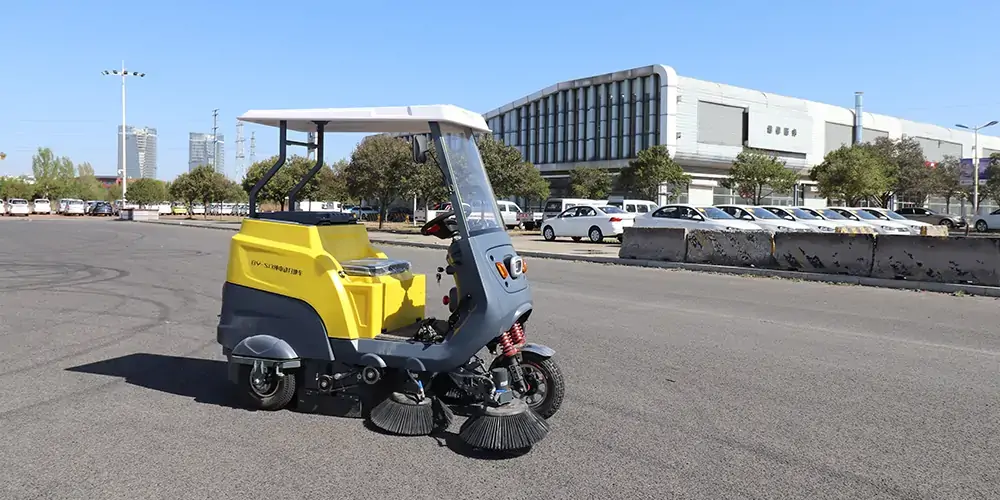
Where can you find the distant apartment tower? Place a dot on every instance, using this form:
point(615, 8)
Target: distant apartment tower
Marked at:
point(140, 150)
point(201, 151)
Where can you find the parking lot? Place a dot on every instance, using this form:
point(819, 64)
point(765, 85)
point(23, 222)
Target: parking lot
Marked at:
point(680, 385)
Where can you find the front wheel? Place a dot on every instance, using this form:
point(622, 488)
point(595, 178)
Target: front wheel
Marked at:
point(981, 226)
point(546, 387)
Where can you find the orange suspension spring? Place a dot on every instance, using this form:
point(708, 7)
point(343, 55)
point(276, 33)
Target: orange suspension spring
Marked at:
point(507, 344)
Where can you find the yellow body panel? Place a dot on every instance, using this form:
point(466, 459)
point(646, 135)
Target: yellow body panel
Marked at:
point(303, 262)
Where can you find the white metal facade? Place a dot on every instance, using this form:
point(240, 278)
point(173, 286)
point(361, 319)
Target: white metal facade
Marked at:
point(703, 124)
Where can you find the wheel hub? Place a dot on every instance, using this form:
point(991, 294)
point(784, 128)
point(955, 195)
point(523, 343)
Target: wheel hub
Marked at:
point(535, 380)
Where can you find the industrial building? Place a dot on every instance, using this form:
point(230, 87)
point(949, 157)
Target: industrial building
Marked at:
point(604, 121)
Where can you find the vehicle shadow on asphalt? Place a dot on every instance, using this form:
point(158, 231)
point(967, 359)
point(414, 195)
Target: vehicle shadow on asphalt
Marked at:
point(203, 380)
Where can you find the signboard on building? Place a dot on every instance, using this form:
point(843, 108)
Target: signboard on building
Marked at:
point(965, 176)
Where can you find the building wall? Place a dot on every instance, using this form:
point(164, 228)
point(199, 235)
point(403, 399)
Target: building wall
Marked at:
point(703, 124)
point(140, 150)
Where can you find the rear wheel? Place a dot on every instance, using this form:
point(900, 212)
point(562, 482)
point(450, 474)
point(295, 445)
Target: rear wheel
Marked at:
point(268, 391)
point(548, 233)
point(981, 226)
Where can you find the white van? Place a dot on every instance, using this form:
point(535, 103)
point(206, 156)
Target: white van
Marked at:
point(555, 206)
point(632, 206)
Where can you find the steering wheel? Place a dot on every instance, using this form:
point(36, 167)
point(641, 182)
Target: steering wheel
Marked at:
point(438, 227)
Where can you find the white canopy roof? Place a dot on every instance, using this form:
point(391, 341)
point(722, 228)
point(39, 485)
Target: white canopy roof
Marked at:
point(390, 119)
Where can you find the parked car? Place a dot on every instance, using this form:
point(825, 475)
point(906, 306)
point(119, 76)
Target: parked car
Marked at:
point(513, 216)
point(842, 221)
point(179, 209)
point(693, 217)
point(555, 206)
point(888, 215)
point(18, 206)
point(197, 209)
point(931, 217)
point(102, 209)
point(988, 222)
point(764, 218)
point(880, 226)
point(795, 214)
point(75, 207)
point(41, 206)
point(596, 223)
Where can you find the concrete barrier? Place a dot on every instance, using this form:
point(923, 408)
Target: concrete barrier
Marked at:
point(730, 248)
point(941, 259)
point(654, 243)
point(830, 253)
point(934, 231)
point(137, 214)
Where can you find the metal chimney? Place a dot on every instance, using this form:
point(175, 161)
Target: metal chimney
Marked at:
point(858, 128)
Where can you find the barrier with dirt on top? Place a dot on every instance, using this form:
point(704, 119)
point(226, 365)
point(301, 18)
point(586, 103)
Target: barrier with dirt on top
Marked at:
point(831, 253)
point(953, 259)
point(934, 231)
point(648, 243)
point(730, 248)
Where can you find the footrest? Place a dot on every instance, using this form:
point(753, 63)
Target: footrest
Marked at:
point(375, 267)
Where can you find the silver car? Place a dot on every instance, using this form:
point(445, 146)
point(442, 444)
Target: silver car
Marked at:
point(931, 217)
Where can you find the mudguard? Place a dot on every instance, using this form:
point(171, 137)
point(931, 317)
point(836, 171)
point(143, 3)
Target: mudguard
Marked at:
point(263, 347)
point(539, 349)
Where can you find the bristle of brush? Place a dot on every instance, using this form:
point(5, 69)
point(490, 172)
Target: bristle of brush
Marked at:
point(405, 419)
point(506, 432)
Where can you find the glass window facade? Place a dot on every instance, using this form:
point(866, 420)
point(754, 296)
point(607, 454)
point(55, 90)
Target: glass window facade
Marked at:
point(607, 121)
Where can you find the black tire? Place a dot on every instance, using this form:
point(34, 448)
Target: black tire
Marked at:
point(548, 233)
point(981, 226)
point(273, 399)
point(948, 223)
point(555, 384)
point(595, 234)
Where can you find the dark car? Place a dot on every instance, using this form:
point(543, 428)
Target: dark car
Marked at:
point(103, 209)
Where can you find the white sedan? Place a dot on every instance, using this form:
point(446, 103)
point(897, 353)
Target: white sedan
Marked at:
point(18, 206)
point(796, 214)
point(596, 223)
point(75, 207)
point(990, 222)
point(692, 217)
point(880, 226)
point(764, 218)
point(839, 219)
point(888, 215)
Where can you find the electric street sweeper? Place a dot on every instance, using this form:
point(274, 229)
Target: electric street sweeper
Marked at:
point(310, 309)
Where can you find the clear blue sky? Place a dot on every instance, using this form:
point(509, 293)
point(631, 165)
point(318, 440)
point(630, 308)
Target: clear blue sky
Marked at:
point(927, 61)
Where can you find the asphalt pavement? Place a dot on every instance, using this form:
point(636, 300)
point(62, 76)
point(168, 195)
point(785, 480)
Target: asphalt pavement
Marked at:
point(680, 385)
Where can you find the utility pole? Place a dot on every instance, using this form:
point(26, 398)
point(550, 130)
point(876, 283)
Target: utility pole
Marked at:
point(124, 173)
point(240, 167)
point(975, 164)
point(215, 139)
point(253, 149)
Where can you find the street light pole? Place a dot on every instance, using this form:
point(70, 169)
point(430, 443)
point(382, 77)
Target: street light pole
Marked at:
point(975, 162)
point(124, 73)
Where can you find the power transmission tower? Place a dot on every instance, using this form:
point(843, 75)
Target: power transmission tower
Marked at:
point(215, 139)
point(239, 151)
point(253, 149)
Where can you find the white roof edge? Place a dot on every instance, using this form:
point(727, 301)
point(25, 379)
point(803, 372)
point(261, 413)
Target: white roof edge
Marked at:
point(388, 119)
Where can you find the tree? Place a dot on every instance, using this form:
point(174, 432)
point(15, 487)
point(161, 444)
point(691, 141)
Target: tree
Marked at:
point(330, 182)
point(183, 189)
point(532, 186)
point(651, 169)
point(85, 184)
point(946, 180)
point(589, 182)
point(276, 190)
point(852, 174)
point(146, 192)
point(381, 169)
point(905, 169)
point(53, 174)
point(13, 187)
point(756, 175)
point(208, 186)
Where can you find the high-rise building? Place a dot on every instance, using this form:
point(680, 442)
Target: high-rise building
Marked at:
point(201, 151)
point(140, 150)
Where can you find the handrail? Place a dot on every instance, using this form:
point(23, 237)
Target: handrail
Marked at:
point(282, 153)
point(312, 172)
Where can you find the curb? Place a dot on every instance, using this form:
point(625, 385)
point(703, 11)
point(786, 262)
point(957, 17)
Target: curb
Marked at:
point(926, 286)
